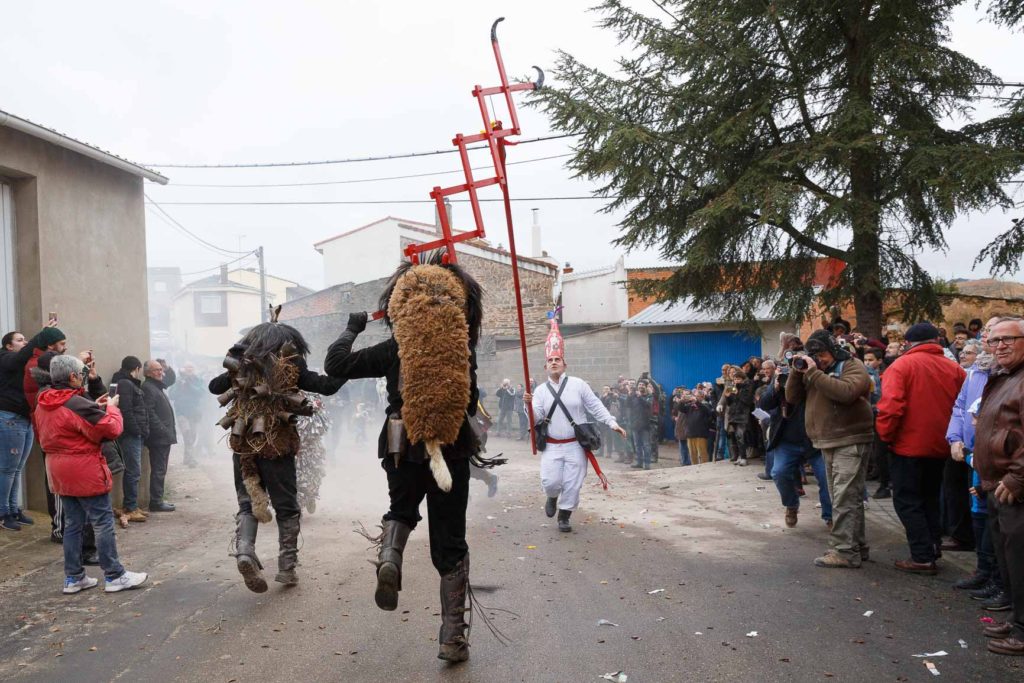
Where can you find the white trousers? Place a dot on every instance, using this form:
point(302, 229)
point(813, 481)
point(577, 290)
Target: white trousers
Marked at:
point(563, 467)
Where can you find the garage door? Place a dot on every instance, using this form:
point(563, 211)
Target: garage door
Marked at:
point(685, 358)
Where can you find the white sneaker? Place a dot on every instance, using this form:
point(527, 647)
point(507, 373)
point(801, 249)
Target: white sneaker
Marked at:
point(73, 586)
point(742, 462)
point(126, 581)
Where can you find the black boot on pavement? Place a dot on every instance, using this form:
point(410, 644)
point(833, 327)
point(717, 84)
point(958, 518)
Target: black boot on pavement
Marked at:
point(288, 557)
point(454, 634)
point(972, 582)
point(249, 565)
point(1000, 602)
point(389, 563)
point(563, 520)
point(551, 506)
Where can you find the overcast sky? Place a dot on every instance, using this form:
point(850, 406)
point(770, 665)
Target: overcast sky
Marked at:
point(259, 81)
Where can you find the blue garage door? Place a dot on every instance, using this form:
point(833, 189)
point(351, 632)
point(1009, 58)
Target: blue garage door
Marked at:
point(685, 358)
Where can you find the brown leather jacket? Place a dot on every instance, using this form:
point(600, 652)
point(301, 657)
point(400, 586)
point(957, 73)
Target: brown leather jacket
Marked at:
point(838, 412)
point(999, 440)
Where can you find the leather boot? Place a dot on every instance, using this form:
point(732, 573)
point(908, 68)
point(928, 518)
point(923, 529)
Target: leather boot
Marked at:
point(288, 557)
point(563, 520)
point(389, 563)
point(454, 635)
point(249, 565)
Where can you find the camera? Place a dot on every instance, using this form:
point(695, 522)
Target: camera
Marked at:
point(112, 390)
point(789, 355)
point(800, 363)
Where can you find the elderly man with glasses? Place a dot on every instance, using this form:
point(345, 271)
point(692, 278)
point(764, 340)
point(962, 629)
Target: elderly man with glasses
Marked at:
point(999, 462)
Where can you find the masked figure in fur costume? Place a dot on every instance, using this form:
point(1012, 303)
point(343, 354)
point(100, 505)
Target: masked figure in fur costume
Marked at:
point(265, 372)
point(427, 444)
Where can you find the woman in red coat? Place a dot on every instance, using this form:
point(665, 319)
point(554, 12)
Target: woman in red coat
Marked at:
point(71, 428)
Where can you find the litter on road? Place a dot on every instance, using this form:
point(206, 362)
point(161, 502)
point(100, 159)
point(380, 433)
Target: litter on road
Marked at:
point(932, 669)
point(963, 643)
point(940, 653)
point(869, 613)
point(605, 622)
point(656, 591)
point(617, 677)
point(752, 634)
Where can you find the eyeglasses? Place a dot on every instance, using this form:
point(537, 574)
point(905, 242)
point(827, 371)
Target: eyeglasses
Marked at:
point(1003, 341)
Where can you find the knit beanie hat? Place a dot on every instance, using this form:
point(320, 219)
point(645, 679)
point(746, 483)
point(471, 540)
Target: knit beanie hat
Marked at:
point(922, 332)
point(51, 335)
point(822, 340)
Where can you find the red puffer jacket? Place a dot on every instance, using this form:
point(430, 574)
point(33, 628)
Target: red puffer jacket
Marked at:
point(70, 427)
point(918, 392)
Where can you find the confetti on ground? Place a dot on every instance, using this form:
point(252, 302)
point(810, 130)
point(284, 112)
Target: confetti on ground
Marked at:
point(940, 653)
point(869, 613)
point(963, 643)
point(605, 622)
point(932, 668)
point(656, 591)
point(752, 634)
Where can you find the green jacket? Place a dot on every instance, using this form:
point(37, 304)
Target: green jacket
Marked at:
point(837, 412)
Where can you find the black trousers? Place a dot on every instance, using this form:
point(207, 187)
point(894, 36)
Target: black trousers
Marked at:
point(916, 494)
point(880, 458)
point(1006, 524)
point(956, 502)
point(158, 457)
point(409, 483)
point(278, 480)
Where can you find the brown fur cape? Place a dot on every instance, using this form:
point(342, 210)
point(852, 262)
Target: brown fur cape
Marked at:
point(428, 314)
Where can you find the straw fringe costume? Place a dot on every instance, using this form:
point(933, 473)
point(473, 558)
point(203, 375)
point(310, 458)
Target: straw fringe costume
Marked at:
point(427, 444)
point(261, 389)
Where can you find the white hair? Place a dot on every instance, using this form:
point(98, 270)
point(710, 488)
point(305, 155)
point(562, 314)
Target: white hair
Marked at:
point(63, 367)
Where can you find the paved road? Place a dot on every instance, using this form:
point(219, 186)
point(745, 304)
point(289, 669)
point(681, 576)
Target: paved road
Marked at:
point(697, 533)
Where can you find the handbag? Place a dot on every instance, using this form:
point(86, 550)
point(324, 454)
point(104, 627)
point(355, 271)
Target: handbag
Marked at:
point(540, 430)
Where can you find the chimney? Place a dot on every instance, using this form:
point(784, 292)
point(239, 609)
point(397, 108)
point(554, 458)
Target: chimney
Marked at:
point(536, 251)
point(223, 273)
point(437, 216)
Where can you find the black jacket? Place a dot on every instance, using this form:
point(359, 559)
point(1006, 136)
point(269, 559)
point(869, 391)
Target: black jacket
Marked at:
point(132, 404)
point(506, 398)
point(698, 418)
point(787, 421)
point(381, 360)
point(640, 412)
point(159, 412)
point(12, 378)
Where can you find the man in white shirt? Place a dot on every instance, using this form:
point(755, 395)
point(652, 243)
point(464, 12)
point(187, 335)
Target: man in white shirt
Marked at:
point(563, 463)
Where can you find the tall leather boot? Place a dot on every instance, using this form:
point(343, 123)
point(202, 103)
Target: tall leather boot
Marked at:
point(454, 635)
point(249, 565)
point(288, 557)
point(389, 563)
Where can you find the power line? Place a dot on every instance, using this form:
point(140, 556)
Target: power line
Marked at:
point(367, 180)
point(210, 245)
point(218, 267)
point(385, 201)
point(406, 155)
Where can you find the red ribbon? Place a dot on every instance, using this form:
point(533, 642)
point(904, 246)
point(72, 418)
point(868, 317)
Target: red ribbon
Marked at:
point(597, 469)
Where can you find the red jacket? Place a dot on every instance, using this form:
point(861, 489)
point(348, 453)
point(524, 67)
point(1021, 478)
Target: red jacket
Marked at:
point(30, 384)
point(918, 392)
point(70, 427)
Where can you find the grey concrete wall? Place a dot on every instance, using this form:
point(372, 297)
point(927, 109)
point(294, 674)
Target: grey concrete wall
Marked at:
point(80, 236)
point(597, 357)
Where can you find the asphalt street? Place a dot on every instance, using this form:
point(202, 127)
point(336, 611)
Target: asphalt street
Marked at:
point(693, 566)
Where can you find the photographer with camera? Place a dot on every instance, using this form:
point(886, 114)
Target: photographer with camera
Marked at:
point(789, 448)
point(834, 386)
point(736, 404)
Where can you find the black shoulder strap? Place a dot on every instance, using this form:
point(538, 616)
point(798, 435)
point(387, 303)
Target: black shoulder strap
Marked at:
point(558, 402)
point(558, 399)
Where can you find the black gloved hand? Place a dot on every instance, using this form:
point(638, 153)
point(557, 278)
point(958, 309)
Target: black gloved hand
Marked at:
point(357, 321)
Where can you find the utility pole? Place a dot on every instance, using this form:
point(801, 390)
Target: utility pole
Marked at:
point(263, 285)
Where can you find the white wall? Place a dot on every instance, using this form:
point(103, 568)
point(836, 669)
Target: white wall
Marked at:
point(598, 299)
point(640, 349)
point(365, 255)
point(243, 311)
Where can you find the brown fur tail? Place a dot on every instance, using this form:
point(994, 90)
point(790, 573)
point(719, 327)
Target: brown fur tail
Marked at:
point(257, 495)
point(438, 467)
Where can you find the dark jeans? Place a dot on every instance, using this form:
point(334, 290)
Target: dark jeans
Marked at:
point(277, 476)
point(642, 445)
point(684, 452)
point(158, 456)
point(131, 449)
point(769, 462)
point(787, 470)
point(505, 420)
point(409, 483)
point(916, 494)
point(956, 502)
point(97, 511)
point(1006, 523)
point(985, 550)
point(524, 425)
